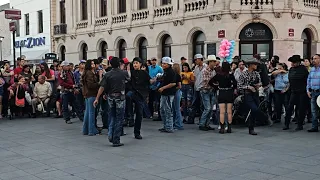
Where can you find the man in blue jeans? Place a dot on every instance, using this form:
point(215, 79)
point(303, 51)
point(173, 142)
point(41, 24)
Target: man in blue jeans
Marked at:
point(67, 83)
point(113, 84)
point(313, 90)
point(207, 92)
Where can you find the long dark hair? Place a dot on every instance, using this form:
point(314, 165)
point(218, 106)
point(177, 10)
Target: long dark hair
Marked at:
point(225, 68)
point(87, 67)
point(186, 65)
point(46, 70)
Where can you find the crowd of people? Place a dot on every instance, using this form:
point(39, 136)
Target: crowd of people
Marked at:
point(175, 93)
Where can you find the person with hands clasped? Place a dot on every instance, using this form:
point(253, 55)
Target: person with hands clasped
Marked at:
point(248, 85)
point(67, 83)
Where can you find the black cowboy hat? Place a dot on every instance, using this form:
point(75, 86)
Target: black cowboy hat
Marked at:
point(252, 61)
point(295, 58)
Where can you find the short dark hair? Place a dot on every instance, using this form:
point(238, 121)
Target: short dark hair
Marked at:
point(276, 58)
point(225, 68)
point(115, 62)
point(183, 58)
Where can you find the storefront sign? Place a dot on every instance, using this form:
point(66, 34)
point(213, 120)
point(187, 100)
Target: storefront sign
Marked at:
point(31, 42)
point(221, 33)
point(291, 32)
point(256, 32)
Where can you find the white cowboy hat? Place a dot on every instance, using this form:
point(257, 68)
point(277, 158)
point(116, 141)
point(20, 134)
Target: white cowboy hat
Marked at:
point(211, 58)
point(318, 101)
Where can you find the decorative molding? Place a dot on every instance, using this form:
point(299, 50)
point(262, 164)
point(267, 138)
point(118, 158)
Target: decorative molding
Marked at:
point(63, 38)
point(73, 36)
point(181, 22)
point(293, 15)
point(129, 29)
point(175, 23)
point(91, 34)
point(110, 31)
point(234, 15)
point(219, 17)
point(277, 14)
point(211, 17)
point(299, 15)
point(151, 26)
point(56, 39)
point(256, 16)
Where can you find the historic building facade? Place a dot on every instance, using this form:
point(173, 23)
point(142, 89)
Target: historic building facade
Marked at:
point(86, 29)
point(6, 34)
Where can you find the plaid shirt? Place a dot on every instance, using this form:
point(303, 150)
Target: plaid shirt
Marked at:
point(207, 75)
point(247, 79)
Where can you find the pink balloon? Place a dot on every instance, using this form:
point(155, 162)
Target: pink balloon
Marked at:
point(227, 51)
point(229, 43)
point(227, 47)
point(227, 54)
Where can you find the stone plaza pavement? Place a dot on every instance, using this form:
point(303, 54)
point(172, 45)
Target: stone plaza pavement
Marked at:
point(49, 149)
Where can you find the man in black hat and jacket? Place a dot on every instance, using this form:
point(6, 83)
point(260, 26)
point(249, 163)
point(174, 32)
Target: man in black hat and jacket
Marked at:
point(298, 75)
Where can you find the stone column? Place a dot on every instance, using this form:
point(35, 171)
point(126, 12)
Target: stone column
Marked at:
point(110, 8)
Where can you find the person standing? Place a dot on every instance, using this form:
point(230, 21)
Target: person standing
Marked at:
point(77, 77)
point(138, 93)
point(207, 93)
point(67, 83)
point(187, 78)
point(227, 86)
point(113, 84)
point(281, 86)
point(167, 90)
point(90, 84)
point(154, 96)
point(239, 70)
point(196, 101)
point(177, 117)
point(298, 75)
point(248, 85)
point(313, 90)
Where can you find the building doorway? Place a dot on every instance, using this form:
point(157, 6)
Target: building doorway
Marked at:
point(307, 40)
point(256, 38)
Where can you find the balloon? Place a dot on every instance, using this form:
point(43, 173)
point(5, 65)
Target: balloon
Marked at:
point(227, 51)
point(228, 47)
point(227, 54)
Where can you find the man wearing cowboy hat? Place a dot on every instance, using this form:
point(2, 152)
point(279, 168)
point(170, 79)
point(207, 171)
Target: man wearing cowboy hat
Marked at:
point(196, 102)
point(248, 85)
point(298, 75)
point(207, 93)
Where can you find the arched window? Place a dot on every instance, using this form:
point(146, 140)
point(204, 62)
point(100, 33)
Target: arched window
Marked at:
point(122, 48)
point(143, 52)
point(84, 51)
point(198, 43)
point(84, 10)
point(103, 49)
point(62, 53)
point(306, 37)
point(166, 45)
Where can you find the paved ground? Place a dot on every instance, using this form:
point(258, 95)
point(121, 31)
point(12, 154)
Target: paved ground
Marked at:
point(34, 149)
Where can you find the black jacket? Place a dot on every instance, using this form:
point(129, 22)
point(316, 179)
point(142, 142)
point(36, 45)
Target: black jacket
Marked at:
point(298, 79)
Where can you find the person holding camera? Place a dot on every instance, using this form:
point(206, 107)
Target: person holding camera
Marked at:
point(281, 86)
point(248, 85)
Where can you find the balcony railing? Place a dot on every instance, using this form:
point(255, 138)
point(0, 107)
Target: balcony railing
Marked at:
point(60, 29)
point(311, 3)
point(163, 11)
point(101, 21)
point(119, 19)
point(82, 24)
point(195, 5)
point(256, 2)
point(140, 15)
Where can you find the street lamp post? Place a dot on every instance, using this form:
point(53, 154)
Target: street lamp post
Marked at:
point(1, 38)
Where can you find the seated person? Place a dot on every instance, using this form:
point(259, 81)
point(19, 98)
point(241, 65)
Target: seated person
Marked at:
point(17, 92)
point(41, 93)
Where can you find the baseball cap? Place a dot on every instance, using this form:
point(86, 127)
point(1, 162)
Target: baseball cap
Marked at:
point(167, 60)
point(105, 62)
point(125, 61)
point(198, 56)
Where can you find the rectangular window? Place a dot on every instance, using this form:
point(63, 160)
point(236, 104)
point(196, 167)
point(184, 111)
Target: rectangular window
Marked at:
point(40, 22)
point(27, 24)
point(84, 8)
point(62, 12)
point(18, 28)
point(103, 8)
point(165, 2)
point(143, 4)
point(122, 6)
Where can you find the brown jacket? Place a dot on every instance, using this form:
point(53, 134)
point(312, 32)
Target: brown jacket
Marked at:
point(90, 84)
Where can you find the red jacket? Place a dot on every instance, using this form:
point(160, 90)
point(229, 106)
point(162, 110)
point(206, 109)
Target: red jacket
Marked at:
point(17, 70)
point(67, 81)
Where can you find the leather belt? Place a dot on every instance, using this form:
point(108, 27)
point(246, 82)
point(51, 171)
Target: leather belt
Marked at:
point(115, 94)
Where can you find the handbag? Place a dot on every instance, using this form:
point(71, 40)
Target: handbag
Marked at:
point(19, 102)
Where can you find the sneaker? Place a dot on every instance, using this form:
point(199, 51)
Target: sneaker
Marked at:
point(68, 122)
point(117, 145)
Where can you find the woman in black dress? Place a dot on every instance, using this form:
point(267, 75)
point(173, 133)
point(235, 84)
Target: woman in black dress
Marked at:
point(227, 87)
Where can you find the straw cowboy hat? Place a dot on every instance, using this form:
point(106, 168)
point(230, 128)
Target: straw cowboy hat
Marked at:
point(211, 58)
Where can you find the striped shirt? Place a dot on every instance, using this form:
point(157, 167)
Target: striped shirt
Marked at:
point(313, 81)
